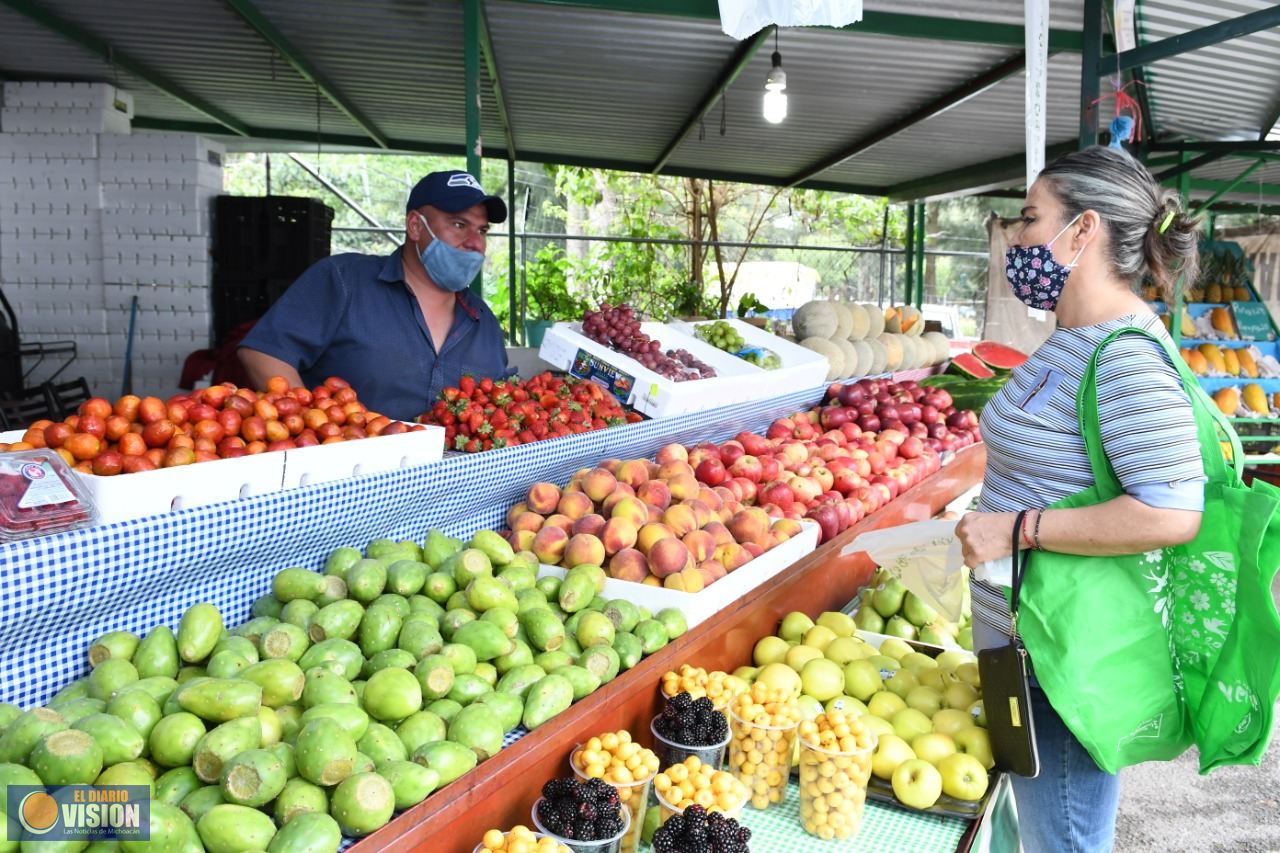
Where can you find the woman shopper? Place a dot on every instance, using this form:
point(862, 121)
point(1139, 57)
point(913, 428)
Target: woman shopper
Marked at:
point(1096, 223)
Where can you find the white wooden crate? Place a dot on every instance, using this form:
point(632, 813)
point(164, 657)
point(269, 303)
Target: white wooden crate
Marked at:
point(323, 463)
point(698, 607)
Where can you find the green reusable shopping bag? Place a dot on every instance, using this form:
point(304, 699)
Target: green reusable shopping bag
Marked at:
point(1144, 655)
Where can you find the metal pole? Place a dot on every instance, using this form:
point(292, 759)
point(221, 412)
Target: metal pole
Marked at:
point(511, 248)
point(1089, 72)
point(1239, 179)
point(884, 239)
point(524, 264)
point(911, 250)
point(471, 36)
point(920, 237)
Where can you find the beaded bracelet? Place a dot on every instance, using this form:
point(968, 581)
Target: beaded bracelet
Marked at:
point(1035, 533)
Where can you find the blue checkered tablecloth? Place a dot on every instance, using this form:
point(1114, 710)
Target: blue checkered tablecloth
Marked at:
point(58, 593)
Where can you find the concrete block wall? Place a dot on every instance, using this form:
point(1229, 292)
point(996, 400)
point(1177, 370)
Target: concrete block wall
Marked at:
point(91, 215)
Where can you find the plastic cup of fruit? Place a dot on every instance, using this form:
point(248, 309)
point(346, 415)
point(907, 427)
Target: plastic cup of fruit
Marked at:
point(634, 797)
point(760, 756)
point(537, 836)
point(667, 810)
point(607, 845)
point(833, 789)
point(670, 753)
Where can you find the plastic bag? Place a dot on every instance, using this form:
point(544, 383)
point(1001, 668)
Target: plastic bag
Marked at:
point(925, 556)
point(743, 18)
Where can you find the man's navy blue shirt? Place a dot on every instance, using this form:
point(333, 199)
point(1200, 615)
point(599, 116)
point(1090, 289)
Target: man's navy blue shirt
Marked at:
point(354, 316)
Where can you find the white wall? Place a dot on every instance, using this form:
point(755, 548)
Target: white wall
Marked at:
point(92, 214)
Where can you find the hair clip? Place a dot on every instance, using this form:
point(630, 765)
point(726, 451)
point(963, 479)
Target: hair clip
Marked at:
point(1168, 218)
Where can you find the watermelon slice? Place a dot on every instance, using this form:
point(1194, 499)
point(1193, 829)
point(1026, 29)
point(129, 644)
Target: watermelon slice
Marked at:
point(968, 364)
point(998, 356)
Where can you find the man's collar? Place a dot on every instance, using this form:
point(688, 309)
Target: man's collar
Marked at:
point(393, 273)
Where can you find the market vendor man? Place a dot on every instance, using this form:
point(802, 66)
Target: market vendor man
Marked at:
point(399, 327)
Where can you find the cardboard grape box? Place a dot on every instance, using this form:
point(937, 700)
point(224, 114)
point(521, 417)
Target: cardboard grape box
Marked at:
point(801, 367)
point(698, 607)
point(128, 496)
point(647, 392)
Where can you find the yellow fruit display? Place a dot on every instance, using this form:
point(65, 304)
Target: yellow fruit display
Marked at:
point(1231, 360)
point(1227, 400)
point(1248, 367)
point(1256, 399)
point(1213, 355)
point(1213, 293)
point(1222, 321)
point(1196, 361)
point(1242, 294)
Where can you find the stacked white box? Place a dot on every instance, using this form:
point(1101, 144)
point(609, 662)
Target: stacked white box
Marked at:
point(91, 216)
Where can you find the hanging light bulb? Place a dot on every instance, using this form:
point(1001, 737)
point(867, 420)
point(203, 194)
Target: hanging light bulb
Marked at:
point(775, 86)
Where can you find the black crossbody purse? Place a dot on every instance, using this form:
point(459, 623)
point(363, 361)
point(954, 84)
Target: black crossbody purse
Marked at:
point(1006, 695)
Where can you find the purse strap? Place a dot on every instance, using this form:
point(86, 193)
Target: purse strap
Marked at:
point(1019, 559)
point(1212, 426)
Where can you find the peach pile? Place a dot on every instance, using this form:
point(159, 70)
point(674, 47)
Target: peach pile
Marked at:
point(646, 522)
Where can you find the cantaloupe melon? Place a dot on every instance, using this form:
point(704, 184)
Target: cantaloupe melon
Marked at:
point(893, 347)
point(875, 320)
point(832, 353)
point(912, 322)
point(879, 356)
point(866, 357)
point(910, 353)
point(892, 321)
point(861, 322)
point(940, 346)
point(814, 320)
point(850, 357)
point(844, 320)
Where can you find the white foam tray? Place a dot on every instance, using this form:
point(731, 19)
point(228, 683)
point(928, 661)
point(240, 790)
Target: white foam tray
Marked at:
point(654, 395)
point(801, 367)
point(698, 607)
point(128, 496)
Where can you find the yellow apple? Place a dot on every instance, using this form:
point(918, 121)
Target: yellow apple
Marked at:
point(933, 747)
point(976, 742)
point(963, 777)
point(891, 751)
point(917, 783)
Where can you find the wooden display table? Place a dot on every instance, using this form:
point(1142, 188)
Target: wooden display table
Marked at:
point(500, 793)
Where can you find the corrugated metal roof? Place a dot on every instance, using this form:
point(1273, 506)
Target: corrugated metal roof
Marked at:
point(594, 86)
point(1223, 91)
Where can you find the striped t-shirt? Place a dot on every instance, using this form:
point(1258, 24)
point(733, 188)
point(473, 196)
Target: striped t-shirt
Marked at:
point(1036, 455)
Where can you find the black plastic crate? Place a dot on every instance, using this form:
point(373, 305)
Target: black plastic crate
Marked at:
point(269, 236)
point(233, 307)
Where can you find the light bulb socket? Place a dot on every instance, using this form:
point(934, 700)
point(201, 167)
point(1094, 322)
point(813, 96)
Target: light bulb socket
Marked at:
point(777, 78)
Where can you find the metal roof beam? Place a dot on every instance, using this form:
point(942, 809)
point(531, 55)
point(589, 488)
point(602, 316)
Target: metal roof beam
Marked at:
point(1269, 123)
point(1263, 19)
point(1194, 163)
point(1230, 146)
point(972, 88)
point(252, 16)
point(876, 23)
point(1228, 187)
point(491, 63)
point(993, 174)
point(455, 150)
point(103, 50)
point(740, 59)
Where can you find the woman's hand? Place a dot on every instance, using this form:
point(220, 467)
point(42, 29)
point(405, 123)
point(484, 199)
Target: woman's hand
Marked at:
point(985, 536)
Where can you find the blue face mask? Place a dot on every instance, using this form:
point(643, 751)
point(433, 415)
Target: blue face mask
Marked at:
point(450, 267)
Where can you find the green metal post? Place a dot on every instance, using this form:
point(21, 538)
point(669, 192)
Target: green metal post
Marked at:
point(1213, 224)
point(1175, 310)
point(511, 245)
point(911, 252)
point(920, 240)
point(471, 36)
point(1239, 179)
point(1089, 72)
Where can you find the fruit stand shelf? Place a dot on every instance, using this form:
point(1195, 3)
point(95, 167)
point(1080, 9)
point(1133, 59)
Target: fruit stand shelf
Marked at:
point(453, 819)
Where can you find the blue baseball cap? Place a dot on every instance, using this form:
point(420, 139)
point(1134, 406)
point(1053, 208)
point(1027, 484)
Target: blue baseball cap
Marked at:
point(454, 191)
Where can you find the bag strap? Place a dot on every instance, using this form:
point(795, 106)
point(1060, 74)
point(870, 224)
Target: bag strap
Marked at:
point(1019, 559)
point(1212, 427)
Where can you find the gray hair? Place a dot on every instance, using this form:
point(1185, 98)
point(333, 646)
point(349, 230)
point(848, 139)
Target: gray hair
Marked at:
point(1133, 207)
